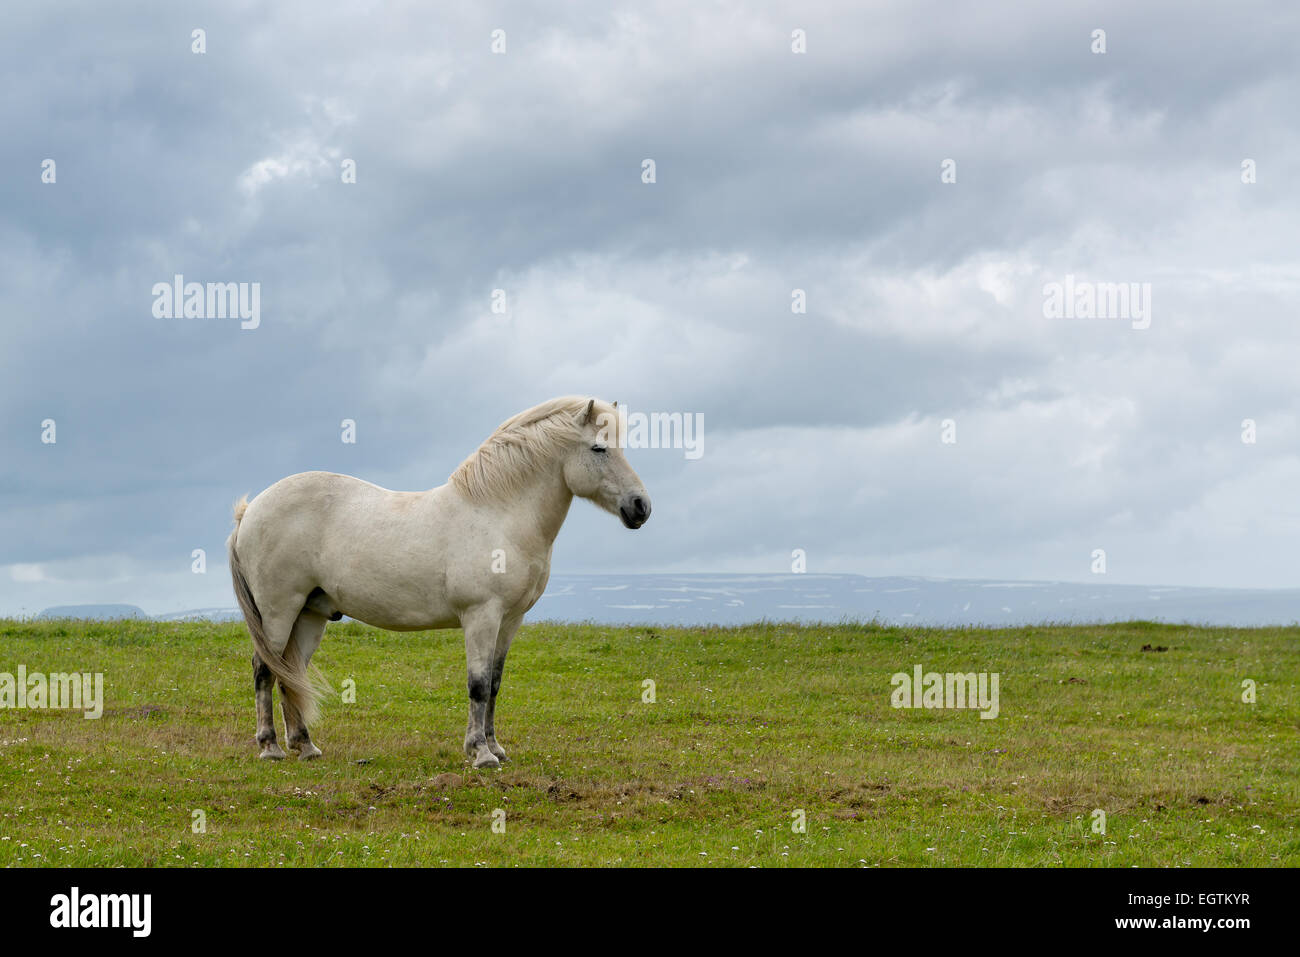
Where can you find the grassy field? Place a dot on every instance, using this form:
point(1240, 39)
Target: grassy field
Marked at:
point(749, 727)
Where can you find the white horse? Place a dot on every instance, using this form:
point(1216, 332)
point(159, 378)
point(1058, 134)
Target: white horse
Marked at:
point(474, 553)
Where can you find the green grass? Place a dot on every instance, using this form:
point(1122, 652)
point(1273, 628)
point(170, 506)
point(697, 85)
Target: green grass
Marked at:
point(749, 725)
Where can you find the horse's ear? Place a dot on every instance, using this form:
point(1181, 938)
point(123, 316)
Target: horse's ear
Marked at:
point(591, 411)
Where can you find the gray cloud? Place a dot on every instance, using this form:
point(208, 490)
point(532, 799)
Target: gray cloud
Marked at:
point(775, 172)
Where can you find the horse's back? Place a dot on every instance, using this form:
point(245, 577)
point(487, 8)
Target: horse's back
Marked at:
point(399, 560)
point(297, 517)
point(359, 543)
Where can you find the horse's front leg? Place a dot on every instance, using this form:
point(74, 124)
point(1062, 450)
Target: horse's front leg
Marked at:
point(482, 626)
point(505, 635)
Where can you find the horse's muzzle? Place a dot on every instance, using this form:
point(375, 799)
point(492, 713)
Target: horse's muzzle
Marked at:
point(634, 510)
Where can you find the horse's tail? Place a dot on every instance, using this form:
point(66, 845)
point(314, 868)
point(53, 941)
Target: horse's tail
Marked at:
point(300, 691)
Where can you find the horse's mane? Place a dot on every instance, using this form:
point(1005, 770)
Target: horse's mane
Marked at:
point(501, 466)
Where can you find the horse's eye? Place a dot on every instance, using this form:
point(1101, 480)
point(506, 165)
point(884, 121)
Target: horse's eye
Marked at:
point(598, 448)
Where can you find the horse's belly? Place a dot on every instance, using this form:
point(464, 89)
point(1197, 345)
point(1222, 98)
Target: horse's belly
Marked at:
point(405, 622)
point(394, 613)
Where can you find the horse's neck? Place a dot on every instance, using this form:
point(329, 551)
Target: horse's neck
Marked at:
point(542, 506)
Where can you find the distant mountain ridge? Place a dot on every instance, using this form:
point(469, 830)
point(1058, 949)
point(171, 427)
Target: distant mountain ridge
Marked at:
point(737, 599)
point(93, 612)
point(731, 599)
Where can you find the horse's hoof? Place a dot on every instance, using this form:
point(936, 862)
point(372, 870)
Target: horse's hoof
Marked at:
point(272, 752)
point(308, 752)
point(499, 751)
point(486, 759)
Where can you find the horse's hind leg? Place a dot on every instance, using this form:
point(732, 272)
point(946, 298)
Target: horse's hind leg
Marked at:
point(305, 639)
point(263, 688)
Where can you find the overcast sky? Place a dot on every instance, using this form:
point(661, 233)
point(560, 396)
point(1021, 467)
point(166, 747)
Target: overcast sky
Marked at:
point(774, 171)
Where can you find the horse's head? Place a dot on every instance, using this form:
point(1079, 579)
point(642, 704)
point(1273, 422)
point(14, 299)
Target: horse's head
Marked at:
point(596, 468)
